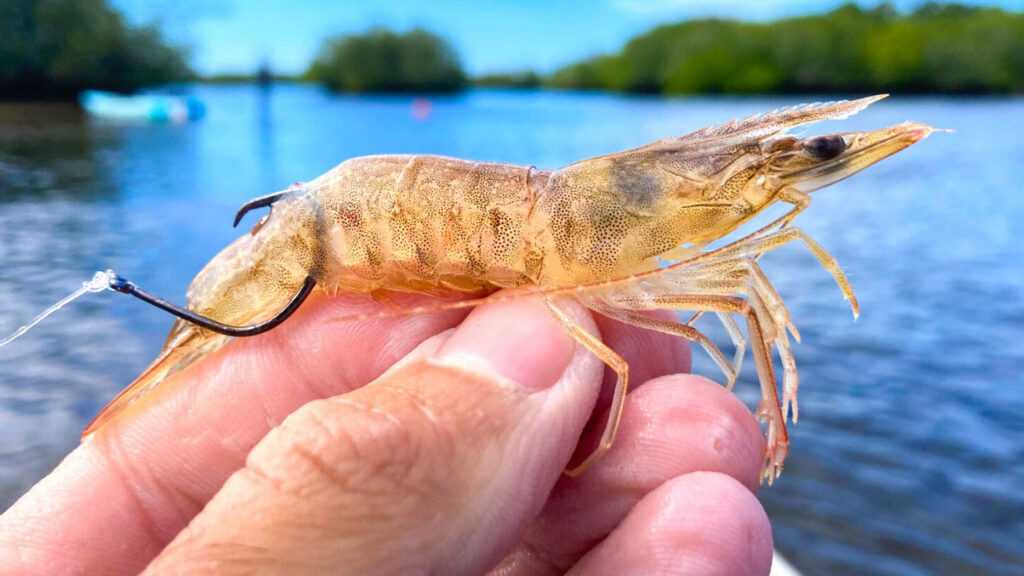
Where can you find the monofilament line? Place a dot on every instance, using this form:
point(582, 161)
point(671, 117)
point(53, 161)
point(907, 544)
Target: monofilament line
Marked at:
point(100, 282)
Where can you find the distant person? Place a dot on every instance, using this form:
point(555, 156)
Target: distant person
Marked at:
point(264, 77)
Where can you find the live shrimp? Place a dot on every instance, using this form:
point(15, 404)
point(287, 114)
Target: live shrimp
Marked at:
point(622, 234)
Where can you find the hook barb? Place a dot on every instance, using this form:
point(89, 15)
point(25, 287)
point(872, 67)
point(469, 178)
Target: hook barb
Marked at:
point(124, 286)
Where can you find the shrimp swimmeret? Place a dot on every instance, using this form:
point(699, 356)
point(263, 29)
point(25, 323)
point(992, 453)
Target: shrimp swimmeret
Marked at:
point(622, 234)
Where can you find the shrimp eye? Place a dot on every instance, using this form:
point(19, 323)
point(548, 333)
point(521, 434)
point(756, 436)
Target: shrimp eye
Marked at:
point(825, 147)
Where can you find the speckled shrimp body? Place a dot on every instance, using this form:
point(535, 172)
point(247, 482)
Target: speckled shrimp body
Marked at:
point(623, 234)
point(427, 223)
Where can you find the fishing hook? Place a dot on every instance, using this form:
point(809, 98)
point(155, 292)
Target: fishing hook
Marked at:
point(258, 203)
point(125, 286)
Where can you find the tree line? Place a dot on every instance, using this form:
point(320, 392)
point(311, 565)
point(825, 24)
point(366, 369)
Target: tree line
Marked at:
point(945, 48)
point(60, 47)
point(384, 61)
point(57, 48)
point(937, 48)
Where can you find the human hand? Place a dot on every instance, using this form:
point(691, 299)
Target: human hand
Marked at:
point(449, 463)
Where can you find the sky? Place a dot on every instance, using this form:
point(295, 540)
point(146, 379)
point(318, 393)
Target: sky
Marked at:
point(235, 36)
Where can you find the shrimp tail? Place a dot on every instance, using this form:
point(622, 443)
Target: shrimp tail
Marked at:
point(185, 345)
point(253, 284)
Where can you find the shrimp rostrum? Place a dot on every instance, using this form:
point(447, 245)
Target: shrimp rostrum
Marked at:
point(623, 234)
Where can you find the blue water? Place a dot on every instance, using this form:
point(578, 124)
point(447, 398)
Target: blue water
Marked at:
point(909, 454)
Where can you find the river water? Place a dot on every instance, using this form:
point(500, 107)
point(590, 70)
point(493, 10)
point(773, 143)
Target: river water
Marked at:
point(909, 454)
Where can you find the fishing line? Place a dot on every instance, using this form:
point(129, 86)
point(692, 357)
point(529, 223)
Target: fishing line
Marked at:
point(100, 282)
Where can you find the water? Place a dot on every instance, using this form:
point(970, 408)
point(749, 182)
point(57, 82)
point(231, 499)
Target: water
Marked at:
point(909, 455)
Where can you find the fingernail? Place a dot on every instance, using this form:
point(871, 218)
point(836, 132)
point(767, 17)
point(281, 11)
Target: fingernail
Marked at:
point(518, 340)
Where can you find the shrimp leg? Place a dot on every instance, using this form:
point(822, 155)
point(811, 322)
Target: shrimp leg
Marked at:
point(752, 282)
point(769, 409)
point(690, 333)
point(800, 201)
point(759, 287)
point(738, 341)
point(758, 246)
point(763, 288)
point(759, 281)
point(616, 363)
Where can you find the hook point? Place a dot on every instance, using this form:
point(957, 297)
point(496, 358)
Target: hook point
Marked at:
point(258, 203)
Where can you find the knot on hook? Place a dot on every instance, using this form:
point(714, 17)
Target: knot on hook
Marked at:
point(119, 283)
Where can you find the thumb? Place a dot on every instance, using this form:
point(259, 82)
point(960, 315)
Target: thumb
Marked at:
point(435, 467)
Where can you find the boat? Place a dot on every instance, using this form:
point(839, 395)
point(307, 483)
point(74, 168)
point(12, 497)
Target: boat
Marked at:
point(141, 107)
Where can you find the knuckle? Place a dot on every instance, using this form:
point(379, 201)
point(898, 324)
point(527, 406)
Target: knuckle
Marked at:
point(355, 444)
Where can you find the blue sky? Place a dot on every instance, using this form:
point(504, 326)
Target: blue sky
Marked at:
point(490, 35)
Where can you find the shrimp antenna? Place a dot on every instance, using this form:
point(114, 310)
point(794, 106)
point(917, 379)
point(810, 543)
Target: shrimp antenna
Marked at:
point(258, 203)
point(124, 286)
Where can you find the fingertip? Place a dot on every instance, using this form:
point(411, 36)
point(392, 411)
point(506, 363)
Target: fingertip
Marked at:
point(708, 425)
point(700, 523)
point(715, 521)
point(677, 424)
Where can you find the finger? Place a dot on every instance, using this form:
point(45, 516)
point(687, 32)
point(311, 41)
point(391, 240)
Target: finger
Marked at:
point(699, 524)
point(126, 491)
point(436, 467)
point(671, 426)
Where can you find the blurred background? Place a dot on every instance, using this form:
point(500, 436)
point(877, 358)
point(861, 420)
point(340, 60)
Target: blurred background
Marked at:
point(909, 455)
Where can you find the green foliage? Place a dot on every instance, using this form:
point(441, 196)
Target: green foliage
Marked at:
point(382, 61)
point(938, 48)
point(242, 78)
point(521, 80)
point(56, 48)
point(593, 74)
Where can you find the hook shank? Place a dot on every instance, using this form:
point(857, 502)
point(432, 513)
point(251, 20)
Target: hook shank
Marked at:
point(124, 286)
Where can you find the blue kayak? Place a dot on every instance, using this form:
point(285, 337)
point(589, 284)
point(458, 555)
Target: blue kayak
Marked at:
point(141, 107)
